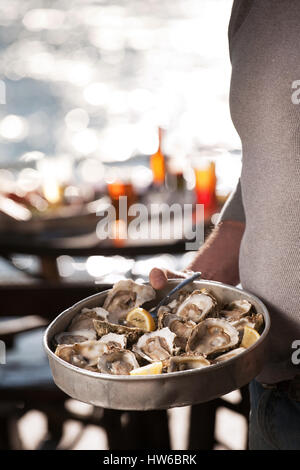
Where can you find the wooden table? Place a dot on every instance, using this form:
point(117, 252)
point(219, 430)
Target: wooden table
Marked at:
point(48, 249)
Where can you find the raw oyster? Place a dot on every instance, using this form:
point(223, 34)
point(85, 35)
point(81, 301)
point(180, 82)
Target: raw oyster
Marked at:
point(104, 327)
point(255, 321)
point(124, 296)
point(197, 306)
point(187, 361)
point(67, 337)
point(117, 362)
point(212, 336)
point(81, 327)
point(177, 325)
point(155, 346)
point(99, 311)
point(236, 310)
point(113, 340)
point(228, 355)
point(84, 355)
point(175, 303)
point(84, 320)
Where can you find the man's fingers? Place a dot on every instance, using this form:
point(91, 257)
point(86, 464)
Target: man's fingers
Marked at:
point(159, 277)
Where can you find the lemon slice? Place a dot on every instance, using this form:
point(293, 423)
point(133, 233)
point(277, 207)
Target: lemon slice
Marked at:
point(151, 369)
point(250, 337)
point(140, 318)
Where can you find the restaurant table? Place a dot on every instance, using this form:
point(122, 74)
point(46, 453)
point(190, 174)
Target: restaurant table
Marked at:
point(48, 249)
point(59, 237)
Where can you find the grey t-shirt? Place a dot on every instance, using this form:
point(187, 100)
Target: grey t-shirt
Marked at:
point(264, 40)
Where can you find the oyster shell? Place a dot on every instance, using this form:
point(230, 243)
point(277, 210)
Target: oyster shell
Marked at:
point(254, 321)
point(228, 355)
point(113, 340)
point(175, 303)
point(84, 355)
point(99, 311)
point(236, 310)
point(81, 327)
point(186, 362)
point(197, 306)
point(104, 327)
point(177, 325)
point(117, 362)
point(84, 319)
point(212, 336)
point(67, 337)
point(124, 296)
point(155, 346)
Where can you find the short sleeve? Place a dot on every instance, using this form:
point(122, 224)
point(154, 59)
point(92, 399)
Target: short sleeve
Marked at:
point(234, 208)
point(239, 13)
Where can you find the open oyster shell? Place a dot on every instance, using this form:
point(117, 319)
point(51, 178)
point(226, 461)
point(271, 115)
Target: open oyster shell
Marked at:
point(182, 295)
point(236, 310)
point(177, 325)
point(155, 346)
point(255, 321)
point(67, 337)
point(197, 306)
point(104, 327)
point(84, 355)
point(81, 327)
point(117, 362)
point(114, 340)
point(124, 296)
point(212, 336)
point(186, 362)
point(228, 355)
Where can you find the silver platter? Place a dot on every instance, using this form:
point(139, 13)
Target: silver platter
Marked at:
point(162, 391)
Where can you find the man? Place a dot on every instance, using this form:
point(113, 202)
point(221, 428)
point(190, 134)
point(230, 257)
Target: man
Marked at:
point(257, 239)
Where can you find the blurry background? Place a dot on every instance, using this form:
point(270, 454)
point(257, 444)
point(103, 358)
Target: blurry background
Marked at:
point(85, 86)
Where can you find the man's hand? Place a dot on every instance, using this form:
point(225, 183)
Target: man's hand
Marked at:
point(159, 277)
point(217, 259)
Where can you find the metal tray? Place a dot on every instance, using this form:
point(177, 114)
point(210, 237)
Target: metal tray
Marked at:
point(158, 391)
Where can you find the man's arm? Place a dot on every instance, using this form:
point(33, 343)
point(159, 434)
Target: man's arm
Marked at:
point(218, 258)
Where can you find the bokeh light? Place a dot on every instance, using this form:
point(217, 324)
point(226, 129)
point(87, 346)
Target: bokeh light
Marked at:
point(13, 127)
point(94, 80)
point(77, 119)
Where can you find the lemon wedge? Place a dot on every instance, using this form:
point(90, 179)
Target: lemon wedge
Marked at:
point(151, 369)
point(140, 318)
point(250, 337)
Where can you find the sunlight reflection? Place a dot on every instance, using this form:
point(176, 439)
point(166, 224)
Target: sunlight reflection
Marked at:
point(96, 94)
point(77, 119)
point(85, 142)
point(13, 127)
point(96, 79)
point(45, 18)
